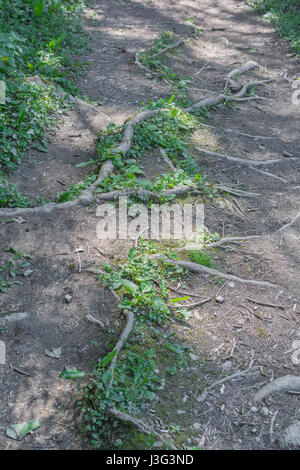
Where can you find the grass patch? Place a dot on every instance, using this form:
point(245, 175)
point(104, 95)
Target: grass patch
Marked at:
point(203, 258)
point(284, 15)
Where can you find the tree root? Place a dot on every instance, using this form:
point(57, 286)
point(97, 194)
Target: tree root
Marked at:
point(200, 269)
point(166, 159)
point(239, 71)
point(125, 333)
point(235, 192)
point(289, 224)
point(87, 196)
point(144, 194)
point(142, 427)
point(282, 384)
point(244, 161)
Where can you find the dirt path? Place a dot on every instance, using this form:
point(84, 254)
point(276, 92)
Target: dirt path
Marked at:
point(225, 336)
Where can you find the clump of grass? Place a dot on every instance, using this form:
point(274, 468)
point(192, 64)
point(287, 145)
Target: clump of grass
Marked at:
point(203, 258)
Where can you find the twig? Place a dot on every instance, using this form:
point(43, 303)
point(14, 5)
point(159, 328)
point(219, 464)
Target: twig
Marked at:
point(272, 424)
point(225, 379)
point(244, 161)
point(196, 304)
point(91, 319)
point(266, 304)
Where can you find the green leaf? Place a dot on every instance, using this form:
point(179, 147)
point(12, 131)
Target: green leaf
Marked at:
point(71, 374)
point(179, 299)
point(84, 164)
point(130, 287)
point(39, 8)
point(106, 377)
point(18, 431)
point(107, 359)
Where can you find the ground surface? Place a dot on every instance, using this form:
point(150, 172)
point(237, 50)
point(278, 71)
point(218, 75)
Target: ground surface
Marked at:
point(224, 336)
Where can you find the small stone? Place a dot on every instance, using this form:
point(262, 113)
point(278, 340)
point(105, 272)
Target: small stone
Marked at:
point(194, 357)
point(68, 298)
point(253, 409)
point(148, 75)
point(219, 299)
point(180, 412)
point(231, 284)
point(27, 273)
point(253, 430)
point(264, 411)
point(197, 426)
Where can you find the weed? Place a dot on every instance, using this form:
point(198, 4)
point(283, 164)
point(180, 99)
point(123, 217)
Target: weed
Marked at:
point(203, 258)
point(13, 268)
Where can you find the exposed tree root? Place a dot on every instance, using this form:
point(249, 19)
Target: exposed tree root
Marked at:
point(87, 196)
point(200, 269)
point(244, 161)
point(125, 333)
point(221, 242)
point(250, 84)
point(239, 71)
point(289, 224)
point(166, 159)
point(282, 384)
point(139, 424)
point(234, 191)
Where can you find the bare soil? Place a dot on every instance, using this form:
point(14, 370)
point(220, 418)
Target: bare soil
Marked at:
point(224, 336)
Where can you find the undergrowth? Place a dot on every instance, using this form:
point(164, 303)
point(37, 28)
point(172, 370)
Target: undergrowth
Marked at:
point(37, 40)
point(138, 376)
point(284, 15)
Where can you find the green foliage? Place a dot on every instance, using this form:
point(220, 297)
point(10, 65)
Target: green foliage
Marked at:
point(152, 57)
point(284, 15)
point(75, 189)
point(14, 267)
point(37, 40)
point(203, 258)
point(136, 280)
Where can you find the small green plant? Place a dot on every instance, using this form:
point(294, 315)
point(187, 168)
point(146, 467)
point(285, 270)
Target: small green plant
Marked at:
point(37, 40)
point(14, 267)
point(203, 258)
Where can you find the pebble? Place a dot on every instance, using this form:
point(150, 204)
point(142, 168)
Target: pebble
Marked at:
point(180, 412)
point(68, 298)
point(197, 426)
point(27, 272)
point(219, 299)
point(231, 284)
point(264, 411)
point(253, 409)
